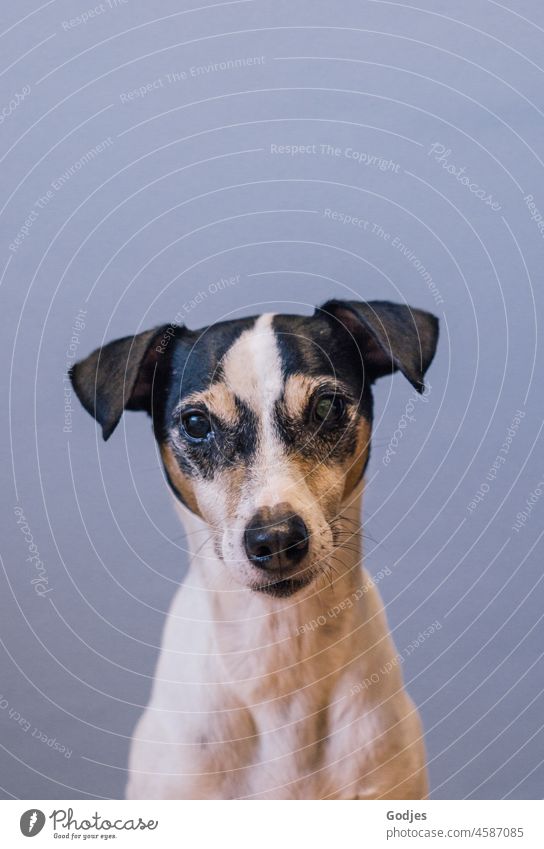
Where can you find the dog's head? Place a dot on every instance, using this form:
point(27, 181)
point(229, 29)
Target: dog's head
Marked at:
point(263, 423)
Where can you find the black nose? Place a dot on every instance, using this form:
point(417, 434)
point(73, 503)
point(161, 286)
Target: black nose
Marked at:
point(276, 539)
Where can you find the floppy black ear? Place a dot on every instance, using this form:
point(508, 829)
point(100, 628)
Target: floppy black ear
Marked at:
point(119, 376)
point(389, 336)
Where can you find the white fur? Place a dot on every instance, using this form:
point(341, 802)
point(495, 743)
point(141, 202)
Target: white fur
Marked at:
point(261, 697)
point(248, 702)
point(252, 371)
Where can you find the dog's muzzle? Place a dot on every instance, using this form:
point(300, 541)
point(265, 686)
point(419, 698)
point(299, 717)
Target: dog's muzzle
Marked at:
point(276, 540)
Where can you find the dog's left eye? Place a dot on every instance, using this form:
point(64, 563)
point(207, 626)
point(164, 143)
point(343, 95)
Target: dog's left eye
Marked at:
point(196, 424)
point(329, 409)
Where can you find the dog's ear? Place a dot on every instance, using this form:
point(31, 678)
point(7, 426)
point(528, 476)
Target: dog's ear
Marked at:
point(389, 336)
point(120, 376)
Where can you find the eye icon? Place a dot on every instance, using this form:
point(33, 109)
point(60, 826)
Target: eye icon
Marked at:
point(32, 822)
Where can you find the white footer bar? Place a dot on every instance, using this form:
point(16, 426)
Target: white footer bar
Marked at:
point(274, 825)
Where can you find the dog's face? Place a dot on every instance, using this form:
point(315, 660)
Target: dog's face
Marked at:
point(263, 423)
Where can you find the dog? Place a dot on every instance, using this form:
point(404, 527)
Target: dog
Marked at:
point(270, 682)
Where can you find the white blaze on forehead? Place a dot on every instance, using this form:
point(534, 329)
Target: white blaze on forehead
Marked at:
point(252, 367)
point(252, 371)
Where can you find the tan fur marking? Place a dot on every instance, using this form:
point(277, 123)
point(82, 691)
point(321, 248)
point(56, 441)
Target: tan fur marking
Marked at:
point(324, 482)
point(219, 399)
point(358, 459)
point(298, 390)
point(330, 484)
point(181, 481)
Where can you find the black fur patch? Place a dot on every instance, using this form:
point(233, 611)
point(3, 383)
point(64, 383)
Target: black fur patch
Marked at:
point(322, 442)
point(307, 346)
point(195, 365)
point(228, 444)
point(314, 347)
point(348, 343)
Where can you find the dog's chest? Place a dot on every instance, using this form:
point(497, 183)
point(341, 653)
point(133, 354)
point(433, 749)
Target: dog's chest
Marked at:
point(289, 748)
point(283, 717)
point(297, 749)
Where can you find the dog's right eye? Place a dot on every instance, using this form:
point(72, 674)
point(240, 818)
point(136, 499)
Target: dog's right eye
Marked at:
point(329, 409)
point(196, 425)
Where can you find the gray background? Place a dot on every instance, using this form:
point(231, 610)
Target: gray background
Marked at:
point(188, 192)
